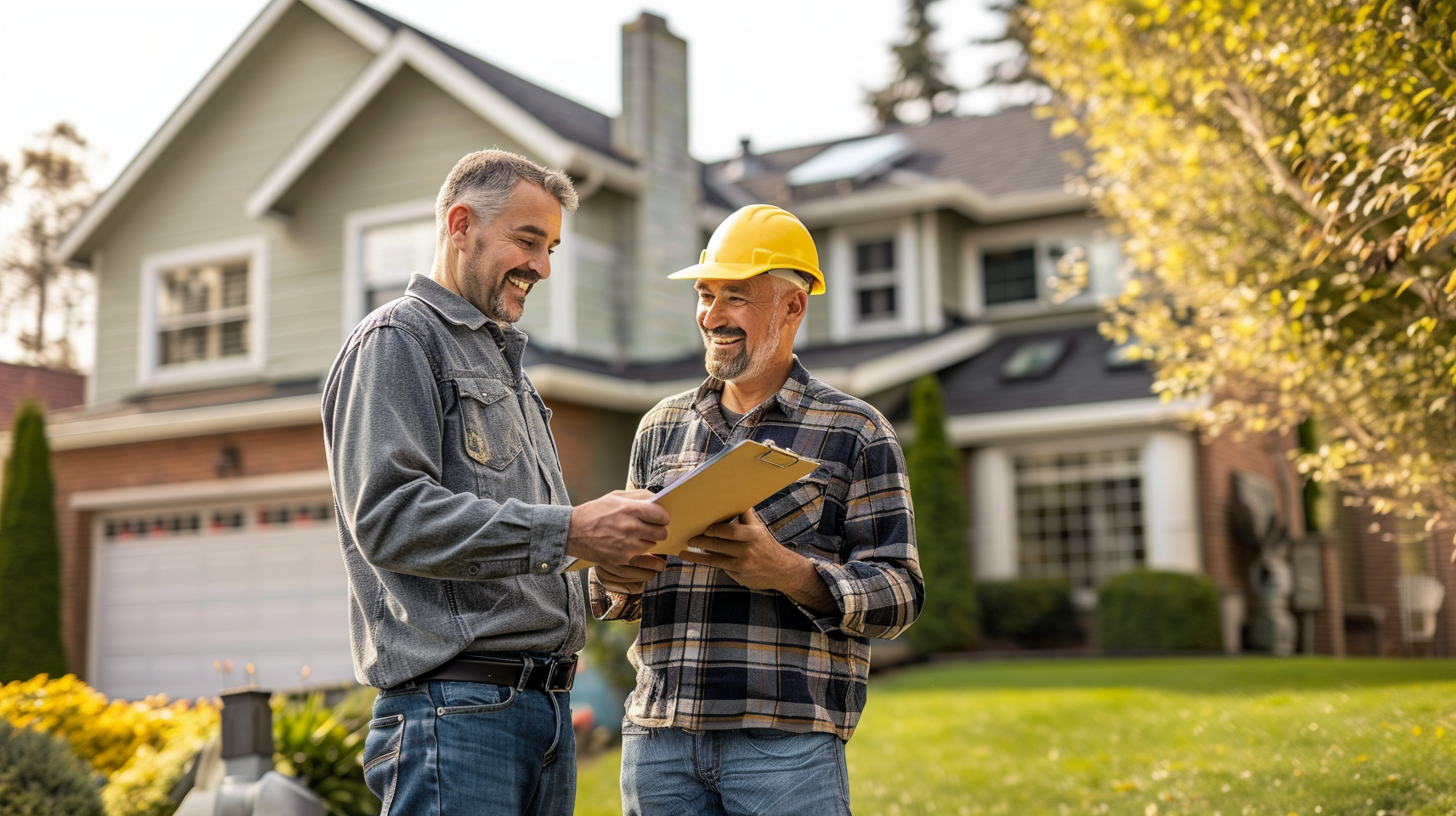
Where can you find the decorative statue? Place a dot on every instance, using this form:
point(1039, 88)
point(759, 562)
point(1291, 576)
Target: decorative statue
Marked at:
point(1256, 524)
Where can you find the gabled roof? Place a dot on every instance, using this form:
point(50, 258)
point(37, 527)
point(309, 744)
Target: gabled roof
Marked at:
point(994, 167)
point(568, 134)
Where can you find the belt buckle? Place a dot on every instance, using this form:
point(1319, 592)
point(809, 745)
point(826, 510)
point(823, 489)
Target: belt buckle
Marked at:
point(557, 663)
point(528, 666)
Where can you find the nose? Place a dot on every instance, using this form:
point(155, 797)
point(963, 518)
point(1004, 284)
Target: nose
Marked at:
point(710, 316)
point(540, 264)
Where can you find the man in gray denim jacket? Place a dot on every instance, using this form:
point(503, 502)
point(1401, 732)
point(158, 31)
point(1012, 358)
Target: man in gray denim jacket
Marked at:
point(454, 519)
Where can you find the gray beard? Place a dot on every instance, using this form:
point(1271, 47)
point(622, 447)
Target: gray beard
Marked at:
point(740, 364)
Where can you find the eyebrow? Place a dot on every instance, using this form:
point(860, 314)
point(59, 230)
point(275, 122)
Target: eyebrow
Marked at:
point(535, 230)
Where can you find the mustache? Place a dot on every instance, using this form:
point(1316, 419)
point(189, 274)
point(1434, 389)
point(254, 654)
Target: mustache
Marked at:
point(726, 333)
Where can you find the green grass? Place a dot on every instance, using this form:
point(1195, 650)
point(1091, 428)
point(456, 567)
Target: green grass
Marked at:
point(1231, 737)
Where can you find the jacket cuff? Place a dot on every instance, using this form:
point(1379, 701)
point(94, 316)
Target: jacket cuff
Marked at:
point(550, 524)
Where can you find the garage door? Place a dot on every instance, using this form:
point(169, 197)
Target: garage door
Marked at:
point(182, 593)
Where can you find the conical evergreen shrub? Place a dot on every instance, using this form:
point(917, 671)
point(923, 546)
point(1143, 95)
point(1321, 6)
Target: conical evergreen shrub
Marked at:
point(949, 620)
point(30, 555)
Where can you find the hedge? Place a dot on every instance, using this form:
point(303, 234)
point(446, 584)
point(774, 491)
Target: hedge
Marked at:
point(1147, 610)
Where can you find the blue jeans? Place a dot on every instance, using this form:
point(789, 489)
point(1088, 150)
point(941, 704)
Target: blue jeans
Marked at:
point(746, 771)
point(443, 748)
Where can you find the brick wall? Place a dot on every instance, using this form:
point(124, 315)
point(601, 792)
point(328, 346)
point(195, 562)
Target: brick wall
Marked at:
point(1226, 561)
point(173, 461)
point(54, 389)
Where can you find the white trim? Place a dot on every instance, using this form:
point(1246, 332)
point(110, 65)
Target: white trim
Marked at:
point(561, 287)
point(353, 21)
point(93, 609)
point(98, 268)
point(355, 223)
point(908, 272)
point(249, 487)
point(889, 370)
point(978, 429)
point(993, 496)
point(407, 48)
point(145, 427)
point(368, 31)
point(254, 249)
point(1170, 502)
point(602, 391)
point(934, 313)
point(932, 195)
point(327, 128)
point(844, 323)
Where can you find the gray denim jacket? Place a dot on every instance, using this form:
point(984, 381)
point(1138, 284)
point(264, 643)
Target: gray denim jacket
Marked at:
point(452, 511)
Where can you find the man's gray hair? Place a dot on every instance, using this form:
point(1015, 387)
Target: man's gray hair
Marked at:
point(484, 180)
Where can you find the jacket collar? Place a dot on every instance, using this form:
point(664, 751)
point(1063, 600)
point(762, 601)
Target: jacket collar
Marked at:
point(451, 306)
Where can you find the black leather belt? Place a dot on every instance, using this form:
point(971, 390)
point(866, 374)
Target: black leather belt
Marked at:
point(519, 671)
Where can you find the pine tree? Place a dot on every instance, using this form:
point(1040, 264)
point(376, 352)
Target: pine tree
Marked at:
point(948, 621)
point(920, 75)
point(30, 556)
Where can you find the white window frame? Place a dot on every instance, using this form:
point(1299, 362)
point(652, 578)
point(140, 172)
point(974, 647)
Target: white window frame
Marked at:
point(254, 251)
point(845, 323)
point(1041, 241)
point(355, 224)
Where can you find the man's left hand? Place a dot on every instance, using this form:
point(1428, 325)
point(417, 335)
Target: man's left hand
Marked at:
point(749, 553)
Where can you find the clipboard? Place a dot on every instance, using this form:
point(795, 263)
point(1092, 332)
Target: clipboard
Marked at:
point(722, 488)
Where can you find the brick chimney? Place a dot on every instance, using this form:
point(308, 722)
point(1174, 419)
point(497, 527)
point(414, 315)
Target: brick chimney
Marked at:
point(653, 129)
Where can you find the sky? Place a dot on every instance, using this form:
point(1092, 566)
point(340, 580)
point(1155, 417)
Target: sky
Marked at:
point(781, 72)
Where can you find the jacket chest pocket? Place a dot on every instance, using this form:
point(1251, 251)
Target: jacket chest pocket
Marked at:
point(490, 422)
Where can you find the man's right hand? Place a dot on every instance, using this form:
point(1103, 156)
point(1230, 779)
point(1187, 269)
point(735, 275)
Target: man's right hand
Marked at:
point(615, 528)
point(632, 577)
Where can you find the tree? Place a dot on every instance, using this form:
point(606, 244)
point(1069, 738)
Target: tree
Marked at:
point(42, 301)
point(920, 89)
point(1285, 172)
point(30, 556)
point(948, 620)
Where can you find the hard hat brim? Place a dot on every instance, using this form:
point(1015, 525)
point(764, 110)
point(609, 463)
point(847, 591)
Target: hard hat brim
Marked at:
point(732, 271)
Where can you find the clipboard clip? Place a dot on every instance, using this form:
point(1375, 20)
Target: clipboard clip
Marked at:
point(777, 456)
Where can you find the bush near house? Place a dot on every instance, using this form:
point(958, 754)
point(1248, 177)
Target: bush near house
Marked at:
point(1148, 610)
point(30, 555)
point(1033, 612)
point(948, 621)
point(322, 749)
point(40, 776)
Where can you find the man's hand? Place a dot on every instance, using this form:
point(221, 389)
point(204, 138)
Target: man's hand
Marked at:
point(615, 528)
point(632, 577)
point(748, 552)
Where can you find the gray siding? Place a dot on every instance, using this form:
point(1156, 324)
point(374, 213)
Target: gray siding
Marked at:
point(194, 194)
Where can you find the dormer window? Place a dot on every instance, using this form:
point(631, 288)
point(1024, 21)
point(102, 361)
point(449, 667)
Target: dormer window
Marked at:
point(1009, 275)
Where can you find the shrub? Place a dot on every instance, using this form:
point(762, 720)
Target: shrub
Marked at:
point(607, 643)
point(144, 785)
point(1158, 611)
point(948, 621)
point(40, 776)
point(1032, 612)
point(30, 555)
point(314, 747)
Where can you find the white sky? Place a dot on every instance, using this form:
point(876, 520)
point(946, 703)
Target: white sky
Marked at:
point(784, 72)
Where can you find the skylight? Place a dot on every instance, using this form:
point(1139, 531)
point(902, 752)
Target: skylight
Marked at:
point(858, 160)
point(1034, 359)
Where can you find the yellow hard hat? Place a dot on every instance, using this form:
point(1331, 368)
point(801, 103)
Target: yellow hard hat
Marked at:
point(754, 240)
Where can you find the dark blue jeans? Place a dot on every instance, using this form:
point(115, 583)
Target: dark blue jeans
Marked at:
point(739, 772)
point(443, 748)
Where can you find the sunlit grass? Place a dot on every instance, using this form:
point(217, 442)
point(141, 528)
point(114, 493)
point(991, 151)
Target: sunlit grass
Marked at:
point(1222, 737)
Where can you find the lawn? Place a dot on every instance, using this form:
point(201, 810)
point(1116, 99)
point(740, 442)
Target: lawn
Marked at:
point(1221, 737)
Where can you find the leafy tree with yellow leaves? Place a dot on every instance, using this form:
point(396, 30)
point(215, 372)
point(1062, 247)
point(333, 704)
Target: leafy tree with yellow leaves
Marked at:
point(1285, 171)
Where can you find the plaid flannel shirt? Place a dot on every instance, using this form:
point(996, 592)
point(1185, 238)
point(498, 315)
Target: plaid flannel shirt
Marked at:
point(712, 654)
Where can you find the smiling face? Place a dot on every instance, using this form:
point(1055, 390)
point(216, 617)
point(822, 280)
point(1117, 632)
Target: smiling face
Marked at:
point(748, 325)
point(502, 260)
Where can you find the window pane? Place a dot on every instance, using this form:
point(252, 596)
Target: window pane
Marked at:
point(1009, 276)
point(234, 287)
point(235, 338)
point(1079, 515)
point(875, 256)
point(184, 345)
point(186, 291)
point(877, 303)
point(392, 251)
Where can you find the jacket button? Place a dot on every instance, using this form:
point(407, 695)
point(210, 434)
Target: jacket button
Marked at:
point(474, 570)
point(543, 567)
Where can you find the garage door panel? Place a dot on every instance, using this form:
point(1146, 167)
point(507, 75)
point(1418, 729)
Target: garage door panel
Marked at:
point(165, 610)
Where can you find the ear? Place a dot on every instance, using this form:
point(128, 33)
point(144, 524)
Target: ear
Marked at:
point(459, 220)
point(797, 304)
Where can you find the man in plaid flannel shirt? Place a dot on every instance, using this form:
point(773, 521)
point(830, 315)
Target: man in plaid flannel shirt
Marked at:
point(753, 655)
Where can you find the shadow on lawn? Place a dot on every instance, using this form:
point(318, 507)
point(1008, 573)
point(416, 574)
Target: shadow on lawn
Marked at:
point(1202, 675)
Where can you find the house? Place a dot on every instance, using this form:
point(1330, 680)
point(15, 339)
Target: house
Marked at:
point(292, 191)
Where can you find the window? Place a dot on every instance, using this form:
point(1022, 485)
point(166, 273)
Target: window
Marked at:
point(1034, 359)
point(1079, 516)
point(874, 279)
point(390, 252)
point(1009, 276)
point(211, 522)
point(203, 311)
